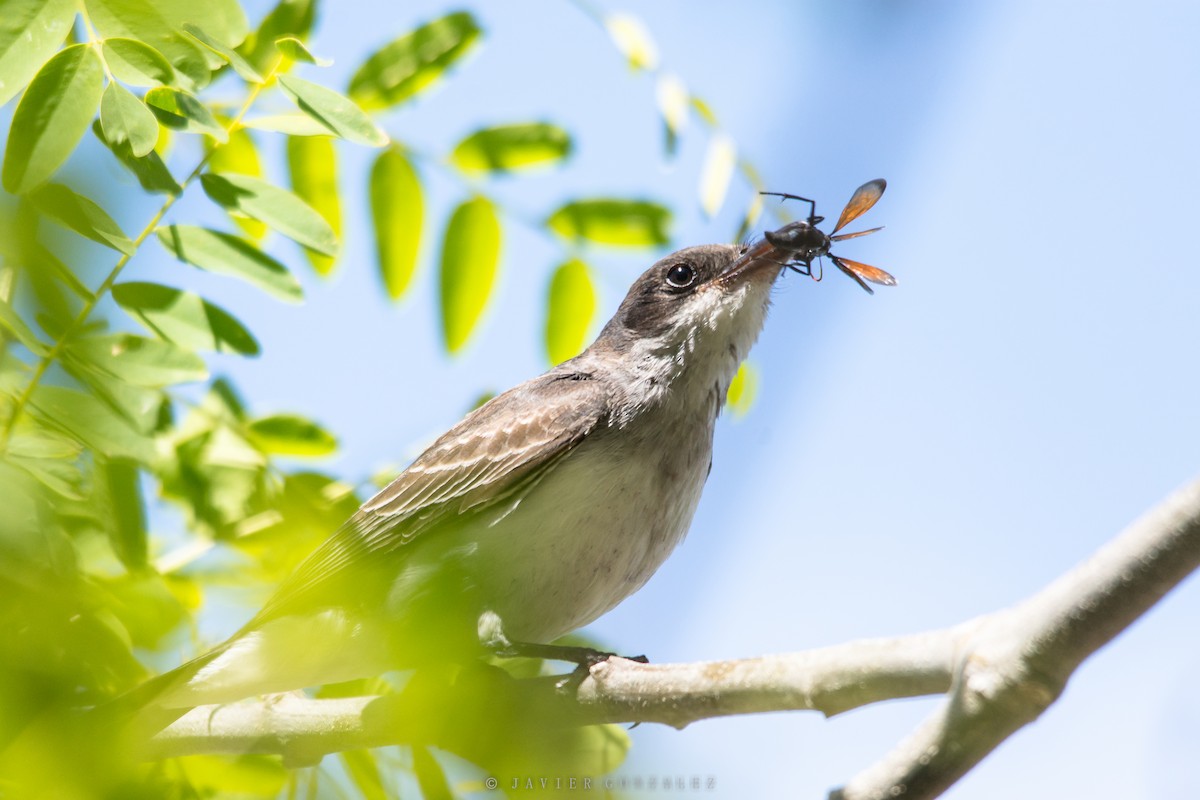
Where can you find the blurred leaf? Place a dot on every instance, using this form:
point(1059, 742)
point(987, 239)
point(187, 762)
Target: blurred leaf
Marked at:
point(312, 164)
point(137, 63)
point(184, 318)
point(627, 223)
point(287, 18)
point(121, 497)
point(510, 147)
point(672, 98)
point(13, 324)
point(240, 776)
point(91, 422)
point(225, 52)
point(571, 309)
point(239, 155)
point(719, 160)
point(160, 22)
point(150, 170)
point(48, 457)
point(140, 361)
point(337, 113)
point(364, 774)
point(702, 108)
point(148, 606)
point(279, 208)
point(430, 775)
point(470, 257)
point(181, 111)
point(291, 435)
point(126, 119)
point(633, 40)
point(397, 210)
point(226, 254)
point(753, 212)
point(414, 61)
point(52, 117)
point(30, 32)
point(81, 215)
point(136, 403)
point(742, 389)
point(291, 124)
point(296, 50)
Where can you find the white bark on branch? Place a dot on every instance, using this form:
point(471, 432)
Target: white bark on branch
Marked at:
point(999, 672)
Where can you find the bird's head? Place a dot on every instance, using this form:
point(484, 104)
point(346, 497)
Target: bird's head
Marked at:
point(696, 311)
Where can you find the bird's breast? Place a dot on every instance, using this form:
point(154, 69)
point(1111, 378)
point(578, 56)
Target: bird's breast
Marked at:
point(596, 527)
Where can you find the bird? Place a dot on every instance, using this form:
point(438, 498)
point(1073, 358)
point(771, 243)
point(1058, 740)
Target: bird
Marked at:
point(537, 513)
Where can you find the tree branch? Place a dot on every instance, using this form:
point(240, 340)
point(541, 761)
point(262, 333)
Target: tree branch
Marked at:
point(999, 671)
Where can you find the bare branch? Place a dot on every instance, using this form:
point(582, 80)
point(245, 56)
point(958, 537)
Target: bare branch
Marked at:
point(999, 673)
point(1020, 659)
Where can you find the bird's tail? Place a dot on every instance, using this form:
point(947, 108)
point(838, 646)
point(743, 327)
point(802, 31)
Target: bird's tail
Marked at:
point(138, 714)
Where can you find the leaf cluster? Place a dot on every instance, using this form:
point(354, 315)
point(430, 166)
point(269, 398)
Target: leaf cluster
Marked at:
point(135, 483)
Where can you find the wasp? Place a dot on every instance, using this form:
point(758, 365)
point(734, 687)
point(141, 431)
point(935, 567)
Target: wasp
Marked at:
point(804, 242)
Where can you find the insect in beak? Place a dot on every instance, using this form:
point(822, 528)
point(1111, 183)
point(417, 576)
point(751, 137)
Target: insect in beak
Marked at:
point(804, 242)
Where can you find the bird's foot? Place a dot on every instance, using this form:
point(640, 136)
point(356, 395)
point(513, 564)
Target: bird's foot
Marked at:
point(584, 658)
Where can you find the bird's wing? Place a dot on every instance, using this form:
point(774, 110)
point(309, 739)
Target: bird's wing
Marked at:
point(494, 455)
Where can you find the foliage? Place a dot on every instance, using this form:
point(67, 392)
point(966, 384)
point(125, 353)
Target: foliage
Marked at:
point(99, 428)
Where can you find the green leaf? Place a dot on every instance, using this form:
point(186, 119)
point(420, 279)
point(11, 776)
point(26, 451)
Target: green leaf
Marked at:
point(627, 223)
point(470, 256)
point(227, 254)
point(363, 771)
point(30, 32)
point(291, 435)
point(120, 495)
point(292, 18)
point(742, 389)
point(430, 775)
point(397, 210)
point(125, 118)
point(52, 117)
point(411, 63)
point(181, 111)
point(279, 208)
point(719, 161)
point(12, 322)
point(291, 124)
point(184, 318)
point(160, 24)
point(296, 50)
point(510, 147)
point(240, 155)
point(336, 112)
point(149, 170)
point(137, 63)
point(312, 163)
point(92, 422)
point(137, 404)
point(139, 361)
point(81, 215)
point(226, 53)
point(571, 309)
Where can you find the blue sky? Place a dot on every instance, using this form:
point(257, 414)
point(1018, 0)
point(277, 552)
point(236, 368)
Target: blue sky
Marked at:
point(937, 451)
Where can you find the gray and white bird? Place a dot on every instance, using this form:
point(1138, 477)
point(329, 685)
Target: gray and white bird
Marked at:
point(534, 515)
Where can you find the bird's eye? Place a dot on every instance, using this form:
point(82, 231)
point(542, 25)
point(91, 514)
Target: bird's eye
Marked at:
point(681, 276)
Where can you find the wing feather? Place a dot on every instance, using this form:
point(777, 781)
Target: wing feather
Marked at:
point(496, 452)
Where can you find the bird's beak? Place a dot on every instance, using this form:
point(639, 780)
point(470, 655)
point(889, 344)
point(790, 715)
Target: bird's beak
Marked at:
point(761, 259)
